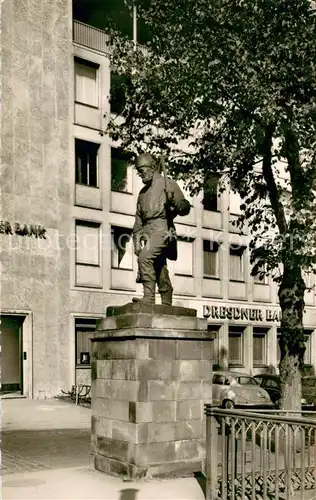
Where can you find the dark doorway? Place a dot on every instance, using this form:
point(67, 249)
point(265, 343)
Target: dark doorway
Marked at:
point(11, 354)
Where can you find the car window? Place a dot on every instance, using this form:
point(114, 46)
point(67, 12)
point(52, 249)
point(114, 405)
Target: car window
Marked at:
point(218, 379)
point(246, 381)
point(271, 383)
point(259, 380)
point(309, 382)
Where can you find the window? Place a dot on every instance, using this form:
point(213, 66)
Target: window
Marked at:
point(210, 200)
point(246, 381)
point(210, 258)
point(309, 381)
point(87, 243)
point(184, 263)
point(84, 328)
point(271, 384)
point(234, 201)
point(307, 354)
point(117, 94)
point(121, 171)
point(122, 248)
point(278, 347)
point(308, 279)
point(86, 84)
point(220, 379)
point(86, 154)
point(259, 279)
point(259, 346)
point(236, 263)
point(235, 346)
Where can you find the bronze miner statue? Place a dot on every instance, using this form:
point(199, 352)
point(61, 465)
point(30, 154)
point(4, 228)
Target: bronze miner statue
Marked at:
point(154, 236)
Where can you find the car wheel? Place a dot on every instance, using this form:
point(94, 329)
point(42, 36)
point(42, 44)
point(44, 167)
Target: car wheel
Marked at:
point(228, 404)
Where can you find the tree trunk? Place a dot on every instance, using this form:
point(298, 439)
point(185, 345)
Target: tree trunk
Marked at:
point(292, 342)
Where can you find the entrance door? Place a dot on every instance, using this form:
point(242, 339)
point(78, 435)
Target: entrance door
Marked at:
point(11, 354)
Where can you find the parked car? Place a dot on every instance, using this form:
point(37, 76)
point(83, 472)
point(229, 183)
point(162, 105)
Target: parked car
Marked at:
point(309, 389)
point(232, 389)
point(272, 384)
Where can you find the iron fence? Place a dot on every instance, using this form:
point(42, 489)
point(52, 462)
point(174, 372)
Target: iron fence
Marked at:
point(259, 455)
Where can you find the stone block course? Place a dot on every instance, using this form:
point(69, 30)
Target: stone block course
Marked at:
point(101, 426)
point(139, 308)
point(140, 412)
point(124, 369)
point(189, 429)
point(186, 449)
point(124, 431)
point(130, 322)
point(162, 349)
point(154, 369)
point(114, 448)
point(159, 432)
point(155, 452)
point(189, 350)
point(189, 409)
point(161, 390)
point(207, 389)
point(163, 411)
point(113, 410)
point(186, 369)
point(116, 390)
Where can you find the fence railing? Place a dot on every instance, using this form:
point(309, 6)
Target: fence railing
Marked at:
point(259, 455)
point(89, 36)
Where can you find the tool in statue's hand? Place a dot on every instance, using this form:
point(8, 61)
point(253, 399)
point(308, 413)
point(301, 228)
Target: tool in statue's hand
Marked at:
point(170, 204)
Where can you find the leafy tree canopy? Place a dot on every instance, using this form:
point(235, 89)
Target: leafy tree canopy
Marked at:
point(235, 81)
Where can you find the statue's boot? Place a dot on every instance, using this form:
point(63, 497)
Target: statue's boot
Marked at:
point(149, 288)
point(166, 297)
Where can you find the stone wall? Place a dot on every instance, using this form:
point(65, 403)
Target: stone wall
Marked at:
point(37, 99)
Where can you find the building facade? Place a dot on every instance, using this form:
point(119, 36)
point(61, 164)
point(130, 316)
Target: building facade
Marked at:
point(68, 204)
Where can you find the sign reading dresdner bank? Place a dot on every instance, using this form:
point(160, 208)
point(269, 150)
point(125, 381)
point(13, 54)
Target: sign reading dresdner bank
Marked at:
point(241, 313)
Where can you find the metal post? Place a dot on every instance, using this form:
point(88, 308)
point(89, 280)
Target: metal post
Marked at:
point(211, 458)
point(135, 26)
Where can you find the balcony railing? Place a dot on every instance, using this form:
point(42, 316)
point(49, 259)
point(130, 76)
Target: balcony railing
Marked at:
point(88, 36)
point(259, 456)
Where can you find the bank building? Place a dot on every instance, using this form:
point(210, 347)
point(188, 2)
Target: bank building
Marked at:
point(67, 211)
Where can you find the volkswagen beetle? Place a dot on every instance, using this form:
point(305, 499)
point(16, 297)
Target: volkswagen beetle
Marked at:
point(233, 389)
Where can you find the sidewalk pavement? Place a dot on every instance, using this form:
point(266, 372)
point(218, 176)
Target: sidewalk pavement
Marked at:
point(84, 483)
point(19, 415)
point(24, 414)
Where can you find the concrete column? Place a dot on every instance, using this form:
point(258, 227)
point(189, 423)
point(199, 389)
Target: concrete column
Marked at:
point(152, 372)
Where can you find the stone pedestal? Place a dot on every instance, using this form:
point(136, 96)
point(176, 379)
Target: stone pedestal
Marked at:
point(151, 375)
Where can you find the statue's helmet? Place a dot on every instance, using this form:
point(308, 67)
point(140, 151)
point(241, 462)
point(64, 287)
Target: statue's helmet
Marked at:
point(145, 160)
